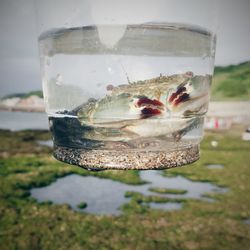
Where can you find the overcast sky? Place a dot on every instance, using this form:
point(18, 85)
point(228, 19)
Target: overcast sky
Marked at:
point(19, 61)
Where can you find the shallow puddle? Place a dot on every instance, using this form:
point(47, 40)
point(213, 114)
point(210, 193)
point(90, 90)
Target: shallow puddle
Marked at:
point(214, 166)
point(247, 221)
point(48, 143)
point(105, 196)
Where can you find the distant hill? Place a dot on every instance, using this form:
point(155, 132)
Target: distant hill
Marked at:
point(38, 93)
point(231, 83)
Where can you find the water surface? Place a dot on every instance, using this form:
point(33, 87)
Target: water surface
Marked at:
point(105, 196)
point(214, 166)
point(47, 143)
point(23, 120)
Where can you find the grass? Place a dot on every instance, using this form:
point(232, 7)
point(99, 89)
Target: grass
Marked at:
point(82, 205)
point(167, 190)
point(27, 224)
point(231, 83)
point(140, 198)
point(139, 203)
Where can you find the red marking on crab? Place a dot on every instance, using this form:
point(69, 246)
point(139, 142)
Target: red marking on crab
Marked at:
point(182, 98)
point(148, 112)
point(175, 94)
point(179, 96)
point(149, 107)
point(146, 101)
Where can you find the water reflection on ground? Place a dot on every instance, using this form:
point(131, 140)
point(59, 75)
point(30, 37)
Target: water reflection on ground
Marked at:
point(16, 121)
point(214, 166)
point(247, 221)
point(48, 143)
point(105, 196)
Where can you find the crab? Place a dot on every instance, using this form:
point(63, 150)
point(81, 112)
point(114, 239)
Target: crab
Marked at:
point(158, 107)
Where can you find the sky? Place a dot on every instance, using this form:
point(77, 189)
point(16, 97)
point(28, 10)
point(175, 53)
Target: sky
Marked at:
point(19, 60)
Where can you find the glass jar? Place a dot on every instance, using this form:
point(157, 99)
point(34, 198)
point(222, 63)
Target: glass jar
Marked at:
point(126, 83)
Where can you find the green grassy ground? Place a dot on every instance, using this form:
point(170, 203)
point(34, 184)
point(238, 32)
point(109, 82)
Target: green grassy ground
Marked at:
point(26, 224)
point(231, 83)
point(167, 191)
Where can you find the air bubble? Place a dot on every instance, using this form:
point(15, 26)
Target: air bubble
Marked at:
point(110, 70)
point(59, 79)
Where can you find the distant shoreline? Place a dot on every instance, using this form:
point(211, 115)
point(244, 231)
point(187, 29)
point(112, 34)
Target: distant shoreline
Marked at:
point(236, 110)
point(32, 103)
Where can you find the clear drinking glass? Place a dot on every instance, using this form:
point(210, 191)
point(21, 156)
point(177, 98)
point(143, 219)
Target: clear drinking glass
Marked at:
point(126, 83)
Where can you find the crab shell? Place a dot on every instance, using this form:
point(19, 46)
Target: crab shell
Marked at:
point(120, 110)
point(126, 115)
